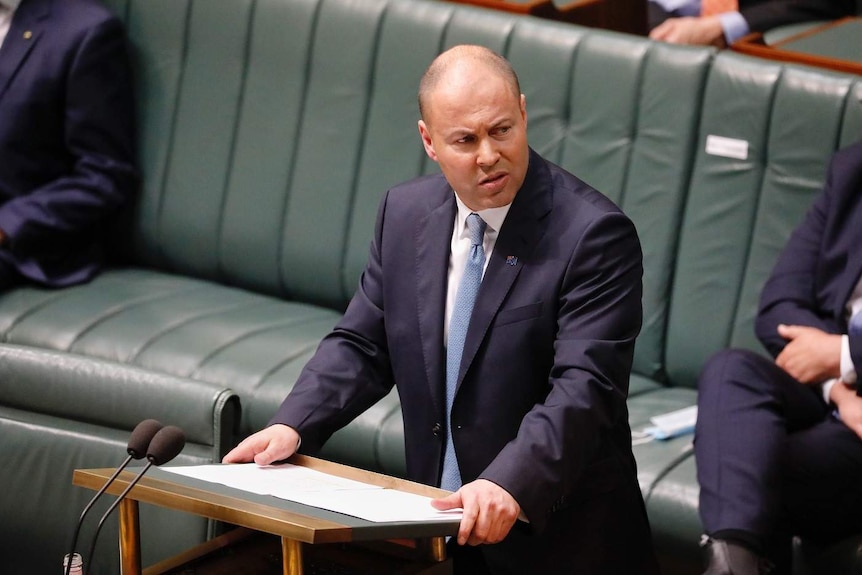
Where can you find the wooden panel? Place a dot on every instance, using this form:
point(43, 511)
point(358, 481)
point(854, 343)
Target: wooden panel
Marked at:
point(268, 514)
point(233, 510)
point(629, 16)
point(420, 551)
point(792, 49)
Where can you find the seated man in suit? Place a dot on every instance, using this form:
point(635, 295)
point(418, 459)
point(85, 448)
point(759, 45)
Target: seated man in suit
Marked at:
point(777, 442)
point(722, 22)
point(502, 298)
point(66, 138)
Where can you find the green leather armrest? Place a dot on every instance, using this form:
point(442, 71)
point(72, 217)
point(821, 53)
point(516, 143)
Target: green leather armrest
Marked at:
point(115, 395)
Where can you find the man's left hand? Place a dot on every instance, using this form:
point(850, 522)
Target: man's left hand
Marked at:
point(489, 511)
point(811, 355)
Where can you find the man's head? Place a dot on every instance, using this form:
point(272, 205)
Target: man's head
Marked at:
point(474, 124)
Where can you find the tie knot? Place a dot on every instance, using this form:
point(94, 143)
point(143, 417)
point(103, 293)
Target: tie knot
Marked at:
point(476, 225)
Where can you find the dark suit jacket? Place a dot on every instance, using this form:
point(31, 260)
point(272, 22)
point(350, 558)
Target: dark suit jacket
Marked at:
point(541, 404)
point(821, 263)
point(763, 15)
point(66, 137)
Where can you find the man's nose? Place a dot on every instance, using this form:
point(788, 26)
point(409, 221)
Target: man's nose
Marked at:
point(488, 154)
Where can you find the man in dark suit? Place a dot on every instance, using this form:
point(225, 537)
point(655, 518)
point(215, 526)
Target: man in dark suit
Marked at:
point(778, 441)
point(681, 22)
point(66, 138)
point(537, 431)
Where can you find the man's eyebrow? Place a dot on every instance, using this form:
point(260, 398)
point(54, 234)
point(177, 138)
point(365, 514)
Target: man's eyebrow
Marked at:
point(459, 132)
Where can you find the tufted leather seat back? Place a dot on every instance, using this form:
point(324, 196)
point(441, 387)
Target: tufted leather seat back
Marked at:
point(741, 210)
point(271, 128)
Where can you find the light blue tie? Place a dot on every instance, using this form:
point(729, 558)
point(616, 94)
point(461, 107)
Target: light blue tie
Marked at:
point(461, 312)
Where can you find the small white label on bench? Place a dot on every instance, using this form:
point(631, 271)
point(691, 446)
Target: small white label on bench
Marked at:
point(727, 147)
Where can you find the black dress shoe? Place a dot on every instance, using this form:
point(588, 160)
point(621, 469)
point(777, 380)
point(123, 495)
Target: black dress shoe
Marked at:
point(729, 558)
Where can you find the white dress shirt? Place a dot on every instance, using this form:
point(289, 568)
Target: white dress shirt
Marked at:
point(848, 370)
point(7, 10)
point(493, 218)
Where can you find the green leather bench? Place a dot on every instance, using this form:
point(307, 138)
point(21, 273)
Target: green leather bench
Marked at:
point(266, 125)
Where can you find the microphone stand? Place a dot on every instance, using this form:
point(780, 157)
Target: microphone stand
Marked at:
point(137, 447)
point(110, 509)
point(164, 446)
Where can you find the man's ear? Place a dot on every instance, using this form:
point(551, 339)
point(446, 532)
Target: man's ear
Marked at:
point(426, 140)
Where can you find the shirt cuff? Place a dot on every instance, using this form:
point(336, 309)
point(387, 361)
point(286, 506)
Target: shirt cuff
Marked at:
point(679, 7)
point(826, 388)
point(848, 370)
point(734, 26)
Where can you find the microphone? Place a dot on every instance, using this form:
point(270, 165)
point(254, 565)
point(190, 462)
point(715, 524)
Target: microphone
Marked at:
point(165, 445)
point(137, 447)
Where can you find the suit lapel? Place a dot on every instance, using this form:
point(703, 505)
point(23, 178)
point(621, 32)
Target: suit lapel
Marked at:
point(28, 26)
point(853, 235)
point(432, 262)
point(520, 234)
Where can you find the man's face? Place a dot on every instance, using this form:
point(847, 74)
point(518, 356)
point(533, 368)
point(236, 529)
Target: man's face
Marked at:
point(475, 127)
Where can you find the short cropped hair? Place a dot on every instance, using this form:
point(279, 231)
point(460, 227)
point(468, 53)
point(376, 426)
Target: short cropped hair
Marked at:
point(442, 63)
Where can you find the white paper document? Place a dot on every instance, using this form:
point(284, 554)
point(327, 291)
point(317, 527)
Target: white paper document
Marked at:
point(318, 489)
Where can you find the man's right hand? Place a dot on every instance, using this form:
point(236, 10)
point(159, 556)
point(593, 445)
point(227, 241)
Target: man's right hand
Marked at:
point(849, 406)
point(705, 31)
point(811, 355)
point(274, 443)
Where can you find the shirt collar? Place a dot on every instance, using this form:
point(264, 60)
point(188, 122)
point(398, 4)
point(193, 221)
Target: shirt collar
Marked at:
point(493, 217)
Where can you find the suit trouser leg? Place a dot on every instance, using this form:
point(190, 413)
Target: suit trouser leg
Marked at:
point(772, 461)
point(747, 409)
point(822, 482)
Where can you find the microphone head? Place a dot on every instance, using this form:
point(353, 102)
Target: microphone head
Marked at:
point(166, 444)
point(141, 437)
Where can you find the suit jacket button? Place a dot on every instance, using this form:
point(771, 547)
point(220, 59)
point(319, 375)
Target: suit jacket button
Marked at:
point(436, 429)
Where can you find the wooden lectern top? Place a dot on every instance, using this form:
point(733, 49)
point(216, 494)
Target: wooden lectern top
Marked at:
point(293, 522)
point(270, 514)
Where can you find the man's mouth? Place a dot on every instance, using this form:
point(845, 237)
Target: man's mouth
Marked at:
point(492, 179)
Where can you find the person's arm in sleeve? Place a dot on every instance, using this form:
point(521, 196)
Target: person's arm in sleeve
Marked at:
point(787, 296)
point(99, 136)
point(805, 339)
point(599, 317)
point(349, 372)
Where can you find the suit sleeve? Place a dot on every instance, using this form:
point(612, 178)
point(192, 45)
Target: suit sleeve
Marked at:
point(583, 417)
point(788, 297)
point(350, 371)
point(99, 136)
